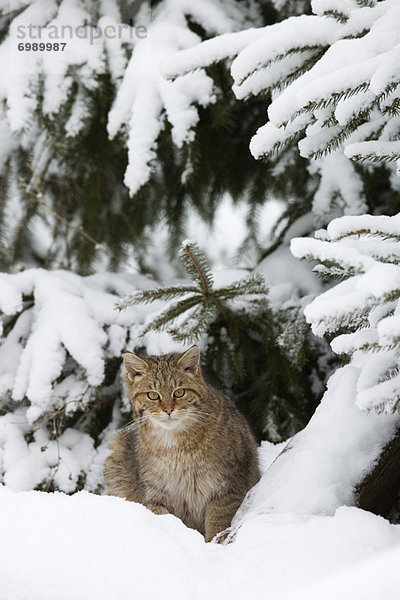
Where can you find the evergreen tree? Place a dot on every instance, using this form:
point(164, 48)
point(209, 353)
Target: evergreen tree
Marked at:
point(79, 125)
point(64, 203)
point(83, 130)
point(361, 313)
point(334, 82)
point(104, 150)
point(361, 317)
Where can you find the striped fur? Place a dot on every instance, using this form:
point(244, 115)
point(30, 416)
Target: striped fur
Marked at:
point(192, 456)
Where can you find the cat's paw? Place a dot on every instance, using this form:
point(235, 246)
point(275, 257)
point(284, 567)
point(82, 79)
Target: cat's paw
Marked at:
point(223, 537)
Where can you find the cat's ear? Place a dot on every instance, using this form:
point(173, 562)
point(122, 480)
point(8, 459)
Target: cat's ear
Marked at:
point(190, 360)
point(134, 365)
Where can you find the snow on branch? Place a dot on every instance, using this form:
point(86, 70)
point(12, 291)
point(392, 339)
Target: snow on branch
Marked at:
point(51, 318)
point(146, 100)
point(59, 51)
point(93, 43)
point(334, 81)
point(366, 306)
point(333, 76)
point(375, 152)
point(347, 87)
point(61, 345)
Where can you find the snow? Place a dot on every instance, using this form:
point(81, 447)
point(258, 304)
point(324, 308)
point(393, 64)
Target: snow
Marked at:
point(144, 94)
point(88, 547)
point(344, 254)
point(86, 57)
point(145, 100)
point(209, 52)
point(371, 223)
point(319, 7)
point(382, 149)
point(27, 466)
point(297, 534)
point(268, 136)
point(231, 216)
point(286, 276)
point(314, 475)
point(367, 248)
point(162, 77)
point(345, 190)
point(349, 295)
point(303, 31)
point(352, 80)
point(347, 63)
point(69, 317)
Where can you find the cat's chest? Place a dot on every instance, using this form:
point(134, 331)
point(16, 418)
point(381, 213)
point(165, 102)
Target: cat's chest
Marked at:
point(187, 478)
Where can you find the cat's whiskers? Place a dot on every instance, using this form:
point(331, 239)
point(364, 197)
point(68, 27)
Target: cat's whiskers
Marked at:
point(140, 420)
point(185, 420)
point(198, 416)
point(194, 418)
point(198, 413)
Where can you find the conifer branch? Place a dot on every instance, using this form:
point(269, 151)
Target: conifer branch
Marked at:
point(297, 72)
point(253, 284)
point(377, 234)
point(171, 313)
point(319, 51)
point(336, 14)
point(203, 302)
point(196, 265)
point(335, 272)
point(149, 296)
point(194, 326)
point(34, 194)
point(282, 145)
point(333, 99)
point(392, 109)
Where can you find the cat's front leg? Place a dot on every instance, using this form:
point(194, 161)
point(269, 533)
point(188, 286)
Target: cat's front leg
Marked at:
point(219, 514)
point(156, 501)
point(158, 509)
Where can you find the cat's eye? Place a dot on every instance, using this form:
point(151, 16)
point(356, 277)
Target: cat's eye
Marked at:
point(153, 395)
point(179, 393)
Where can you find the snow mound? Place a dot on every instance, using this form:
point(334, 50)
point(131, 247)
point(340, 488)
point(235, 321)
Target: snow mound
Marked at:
point(87, 547)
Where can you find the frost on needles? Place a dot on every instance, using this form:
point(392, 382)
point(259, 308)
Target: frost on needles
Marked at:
point(361, 314)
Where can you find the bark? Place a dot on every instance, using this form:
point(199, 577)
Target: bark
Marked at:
point(378, 491)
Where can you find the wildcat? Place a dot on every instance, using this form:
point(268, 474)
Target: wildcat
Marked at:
point(190, 452)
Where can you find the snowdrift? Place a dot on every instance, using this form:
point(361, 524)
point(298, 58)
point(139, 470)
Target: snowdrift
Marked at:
point(87, 547)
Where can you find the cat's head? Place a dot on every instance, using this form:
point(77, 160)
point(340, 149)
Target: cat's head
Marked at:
point(165, 391)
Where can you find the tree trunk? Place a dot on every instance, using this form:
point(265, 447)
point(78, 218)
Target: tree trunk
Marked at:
point(378, 490)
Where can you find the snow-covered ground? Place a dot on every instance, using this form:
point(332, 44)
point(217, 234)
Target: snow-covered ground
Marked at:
point(87, 547)
point(293, 538)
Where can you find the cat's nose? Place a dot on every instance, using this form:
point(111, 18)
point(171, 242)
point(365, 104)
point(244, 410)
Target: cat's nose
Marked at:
point(168, 409)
